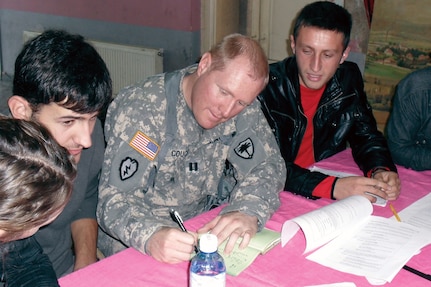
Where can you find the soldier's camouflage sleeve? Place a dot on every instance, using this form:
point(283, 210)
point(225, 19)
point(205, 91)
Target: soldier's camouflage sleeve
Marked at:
point(260, 168)
point(130, 217)
point(122, 208)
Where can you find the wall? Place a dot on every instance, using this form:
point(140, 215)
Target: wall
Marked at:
point(169, 24)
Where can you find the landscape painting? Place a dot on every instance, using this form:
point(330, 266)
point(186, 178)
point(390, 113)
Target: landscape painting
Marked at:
point(399, 43)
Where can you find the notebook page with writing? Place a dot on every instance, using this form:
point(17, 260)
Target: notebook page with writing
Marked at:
point(240, 259)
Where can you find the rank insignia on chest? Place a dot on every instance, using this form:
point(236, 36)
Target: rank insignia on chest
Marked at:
point(145, 145)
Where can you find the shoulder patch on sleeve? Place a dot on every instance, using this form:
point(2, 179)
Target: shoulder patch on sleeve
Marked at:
point(128, 168)
point(245, 149)
point(145, 145)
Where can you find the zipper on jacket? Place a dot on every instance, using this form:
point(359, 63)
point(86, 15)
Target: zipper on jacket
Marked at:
point(336, 98)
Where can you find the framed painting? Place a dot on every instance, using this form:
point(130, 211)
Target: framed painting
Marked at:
point(399, 43)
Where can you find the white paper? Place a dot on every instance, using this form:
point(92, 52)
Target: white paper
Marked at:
point(321, 225)
point(358, 242)
point(418, 213)
point(378, 248)
point(332, 172)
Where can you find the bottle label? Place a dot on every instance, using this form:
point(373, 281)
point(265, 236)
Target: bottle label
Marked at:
point(197, 280)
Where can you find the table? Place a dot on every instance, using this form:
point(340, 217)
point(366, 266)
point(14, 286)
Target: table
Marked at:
point(282, 266)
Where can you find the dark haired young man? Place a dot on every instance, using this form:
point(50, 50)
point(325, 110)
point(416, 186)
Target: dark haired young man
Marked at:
point(316, 105)
point(62, 82)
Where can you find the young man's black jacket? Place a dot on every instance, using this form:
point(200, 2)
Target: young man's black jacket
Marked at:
point(343, 118)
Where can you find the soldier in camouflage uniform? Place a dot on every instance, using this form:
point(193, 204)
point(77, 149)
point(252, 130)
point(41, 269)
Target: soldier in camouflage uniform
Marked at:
point(189, 140)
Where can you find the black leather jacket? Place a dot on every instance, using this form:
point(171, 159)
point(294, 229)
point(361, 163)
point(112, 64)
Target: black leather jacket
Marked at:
point(343, 117)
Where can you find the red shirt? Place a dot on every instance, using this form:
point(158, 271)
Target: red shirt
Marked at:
point(309, 101)
point(305, 158)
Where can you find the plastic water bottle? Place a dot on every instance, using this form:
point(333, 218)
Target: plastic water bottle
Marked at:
point(207, 268)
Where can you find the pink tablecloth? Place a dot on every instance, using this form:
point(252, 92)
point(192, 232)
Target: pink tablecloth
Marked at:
point(281, 266)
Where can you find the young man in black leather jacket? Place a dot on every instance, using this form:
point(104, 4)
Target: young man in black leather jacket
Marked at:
point(316, 105)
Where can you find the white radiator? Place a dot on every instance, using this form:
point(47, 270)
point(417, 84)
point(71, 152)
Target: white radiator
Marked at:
point(126, 64)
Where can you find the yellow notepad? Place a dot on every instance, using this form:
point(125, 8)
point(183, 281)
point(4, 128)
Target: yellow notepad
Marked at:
point(238, 260)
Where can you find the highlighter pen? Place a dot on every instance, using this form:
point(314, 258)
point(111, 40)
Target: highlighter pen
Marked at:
point(394, 212)
point(177, 218)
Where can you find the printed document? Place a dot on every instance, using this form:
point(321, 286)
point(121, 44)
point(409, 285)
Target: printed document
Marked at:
point(359, 243)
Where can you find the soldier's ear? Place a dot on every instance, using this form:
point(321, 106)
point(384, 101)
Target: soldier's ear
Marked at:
point(19, 108)
point(204, 63)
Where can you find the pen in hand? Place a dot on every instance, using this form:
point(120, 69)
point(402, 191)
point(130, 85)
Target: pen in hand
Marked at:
point(177, 218)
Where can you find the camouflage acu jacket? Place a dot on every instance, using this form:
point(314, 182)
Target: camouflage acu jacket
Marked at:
point(158, 157)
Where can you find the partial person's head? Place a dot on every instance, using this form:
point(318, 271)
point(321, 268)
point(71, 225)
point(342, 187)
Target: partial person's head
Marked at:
point(36, 176)
point(320, 42)
point(62, 82)
point(228, 79)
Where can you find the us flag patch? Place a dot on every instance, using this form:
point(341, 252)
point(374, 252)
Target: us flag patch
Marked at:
point(144, 145)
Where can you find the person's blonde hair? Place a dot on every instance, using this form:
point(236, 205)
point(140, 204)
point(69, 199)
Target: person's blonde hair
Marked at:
point(235, 45)
point(36, 176)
